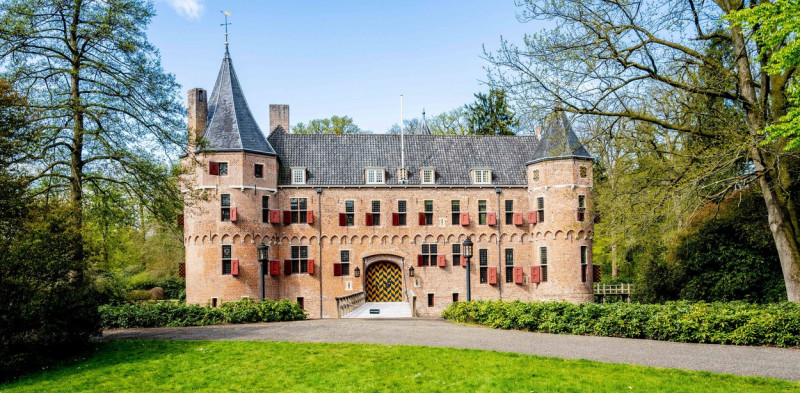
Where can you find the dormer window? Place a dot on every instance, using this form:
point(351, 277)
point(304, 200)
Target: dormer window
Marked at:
point(298, 175)
point(481, 176)
point(375, 176)
point(427, 176)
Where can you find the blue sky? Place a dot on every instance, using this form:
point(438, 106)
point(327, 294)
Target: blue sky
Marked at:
point(327, 58)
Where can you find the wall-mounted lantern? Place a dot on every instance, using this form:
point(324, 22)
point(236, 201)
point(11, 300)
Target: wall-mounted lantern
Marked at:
point(411, 271)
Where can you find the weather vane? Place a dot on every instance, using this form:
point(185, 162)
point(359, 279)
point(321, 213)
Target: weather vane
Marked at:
point(226, 24)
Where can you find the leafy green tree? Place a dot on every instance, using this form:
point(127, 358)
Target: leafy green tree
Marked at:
point(775, 26)
point(107, 113)
point(47, 307)
point(490, 114)
point(728, 253)
point(705, 88)
point(333, 125)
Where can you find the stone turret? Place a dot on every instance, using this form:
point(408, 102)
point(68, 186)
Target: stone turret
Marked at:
point(560, 191)
point(234, 169)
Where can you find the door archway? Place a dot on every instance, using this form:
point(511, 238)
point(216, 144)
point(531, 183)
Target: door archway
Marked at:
point(383, 282)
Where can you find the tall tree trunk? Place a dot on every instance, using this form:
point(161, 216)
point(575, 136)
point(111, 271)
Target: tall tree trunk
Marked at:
point(780, 223)
point(614, 264)
point(76, 155)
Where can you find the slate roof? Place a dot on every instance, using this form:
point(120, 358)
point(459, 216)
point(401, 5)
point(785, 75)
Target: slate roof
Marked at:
point(559, 141)
point(231, 125)
point(341, 159)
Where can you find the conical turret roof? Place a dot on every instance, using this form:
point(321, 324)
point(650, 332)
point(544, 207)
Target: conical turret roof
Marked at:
point(231, 125)
point(559, 141)
point(423, 128)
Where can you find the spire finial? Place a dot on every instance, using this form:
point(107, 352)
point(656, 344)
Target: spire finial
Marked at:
point(226, 24)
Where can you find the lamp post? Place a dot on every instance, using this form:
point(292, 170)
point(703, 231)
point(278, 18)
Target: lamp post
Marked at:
point(263, 255)
point(466, 252)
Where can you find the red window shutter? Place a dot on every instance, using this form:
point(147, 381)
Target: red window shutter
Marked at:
point(287, 217)
point(517, 218)
point(518, 275)
point(463, 261)
point(421, 218)
point(310, 266)
point(213, 168)
point(578, 215)
point(274, 268)
point(536, 274)
point(368, 218)
point(287, 267)
point(234, 214)
point(440, 259)
point(342, 219)
point(491, 219)
point(337, 269)
point(419, 260)
point(274, 216)
point(182, 270)
point(465, 219)
point(310, 217)
point(395, 219)
point(492, 273)
point(180, 220)
point(235, 267)
point(532, 217)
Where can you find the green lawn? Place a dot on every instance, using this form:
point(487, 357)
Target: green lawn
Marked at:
point(203, 366)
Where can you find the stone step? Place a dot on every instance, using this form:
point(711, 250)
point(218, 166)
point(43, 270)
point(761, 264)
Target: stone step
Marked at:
point(382, 310)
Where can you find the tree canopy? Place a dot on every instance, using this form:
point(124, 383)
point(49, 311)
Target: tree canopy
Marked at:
point(107, 115)
point(696, 105)
point(333, 125)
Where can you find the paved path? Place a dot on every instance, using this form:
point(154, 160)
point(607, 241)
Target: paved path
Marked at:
point(385, 310)
point(768, 362)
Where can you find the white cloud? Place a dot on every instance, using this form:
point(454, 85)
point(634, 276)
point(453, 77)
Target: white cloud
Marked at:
point(191, 9)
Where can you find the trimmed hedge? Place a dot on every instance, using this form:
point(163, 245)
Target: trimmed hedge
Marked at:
point(174, 314)
point(737, 323)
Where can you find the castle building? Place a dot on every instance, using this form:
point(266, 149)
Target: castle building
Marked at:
point(381, 214)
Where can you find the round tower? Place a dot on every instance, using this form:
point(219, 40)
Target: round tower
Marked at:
point(560, 193)
point(229, 179)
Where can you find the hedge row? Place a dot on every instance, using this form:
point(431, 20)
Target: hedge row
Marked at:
point(719, 323)
point(175, 314)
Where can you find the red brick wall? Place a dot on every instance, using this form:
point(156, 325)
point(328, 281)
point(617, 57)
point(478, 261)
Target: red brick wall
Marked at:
point(559, 182)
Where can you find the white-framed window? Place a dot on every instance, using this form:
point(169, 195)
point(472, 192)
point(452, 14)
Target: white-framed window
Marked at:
point(427, 176)
point(482, 176)
point(298, 175)
point(375, 176)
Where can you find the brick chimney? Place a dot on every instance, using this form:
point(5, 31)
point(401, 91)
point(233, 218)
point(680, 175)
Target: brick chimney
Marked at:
point(278, 117)
point(198, 116)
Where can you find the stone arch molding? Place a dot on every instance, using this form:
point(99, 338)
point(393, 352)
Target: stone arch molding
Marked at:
point(396, 259)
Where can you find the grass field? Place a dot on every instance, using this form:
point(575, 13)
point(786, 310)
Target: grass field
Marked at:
point(236, 366)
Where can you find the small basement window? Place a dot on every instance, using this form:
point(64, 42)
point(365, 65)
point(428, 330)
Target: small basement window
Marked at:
point(482, 176)
point(298, 175)
point(374, 176)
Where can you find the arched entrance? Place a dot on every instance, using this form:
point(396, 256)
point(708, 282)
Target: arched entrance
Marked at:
point(383, 282)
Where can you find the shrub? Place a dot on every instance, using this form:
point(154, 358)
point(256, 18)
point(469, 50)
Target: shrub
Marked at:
point(137, 295)
point(48, 307)
point(174, 314)
point(156, 293)
point(737, 323)
point(174, 288)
